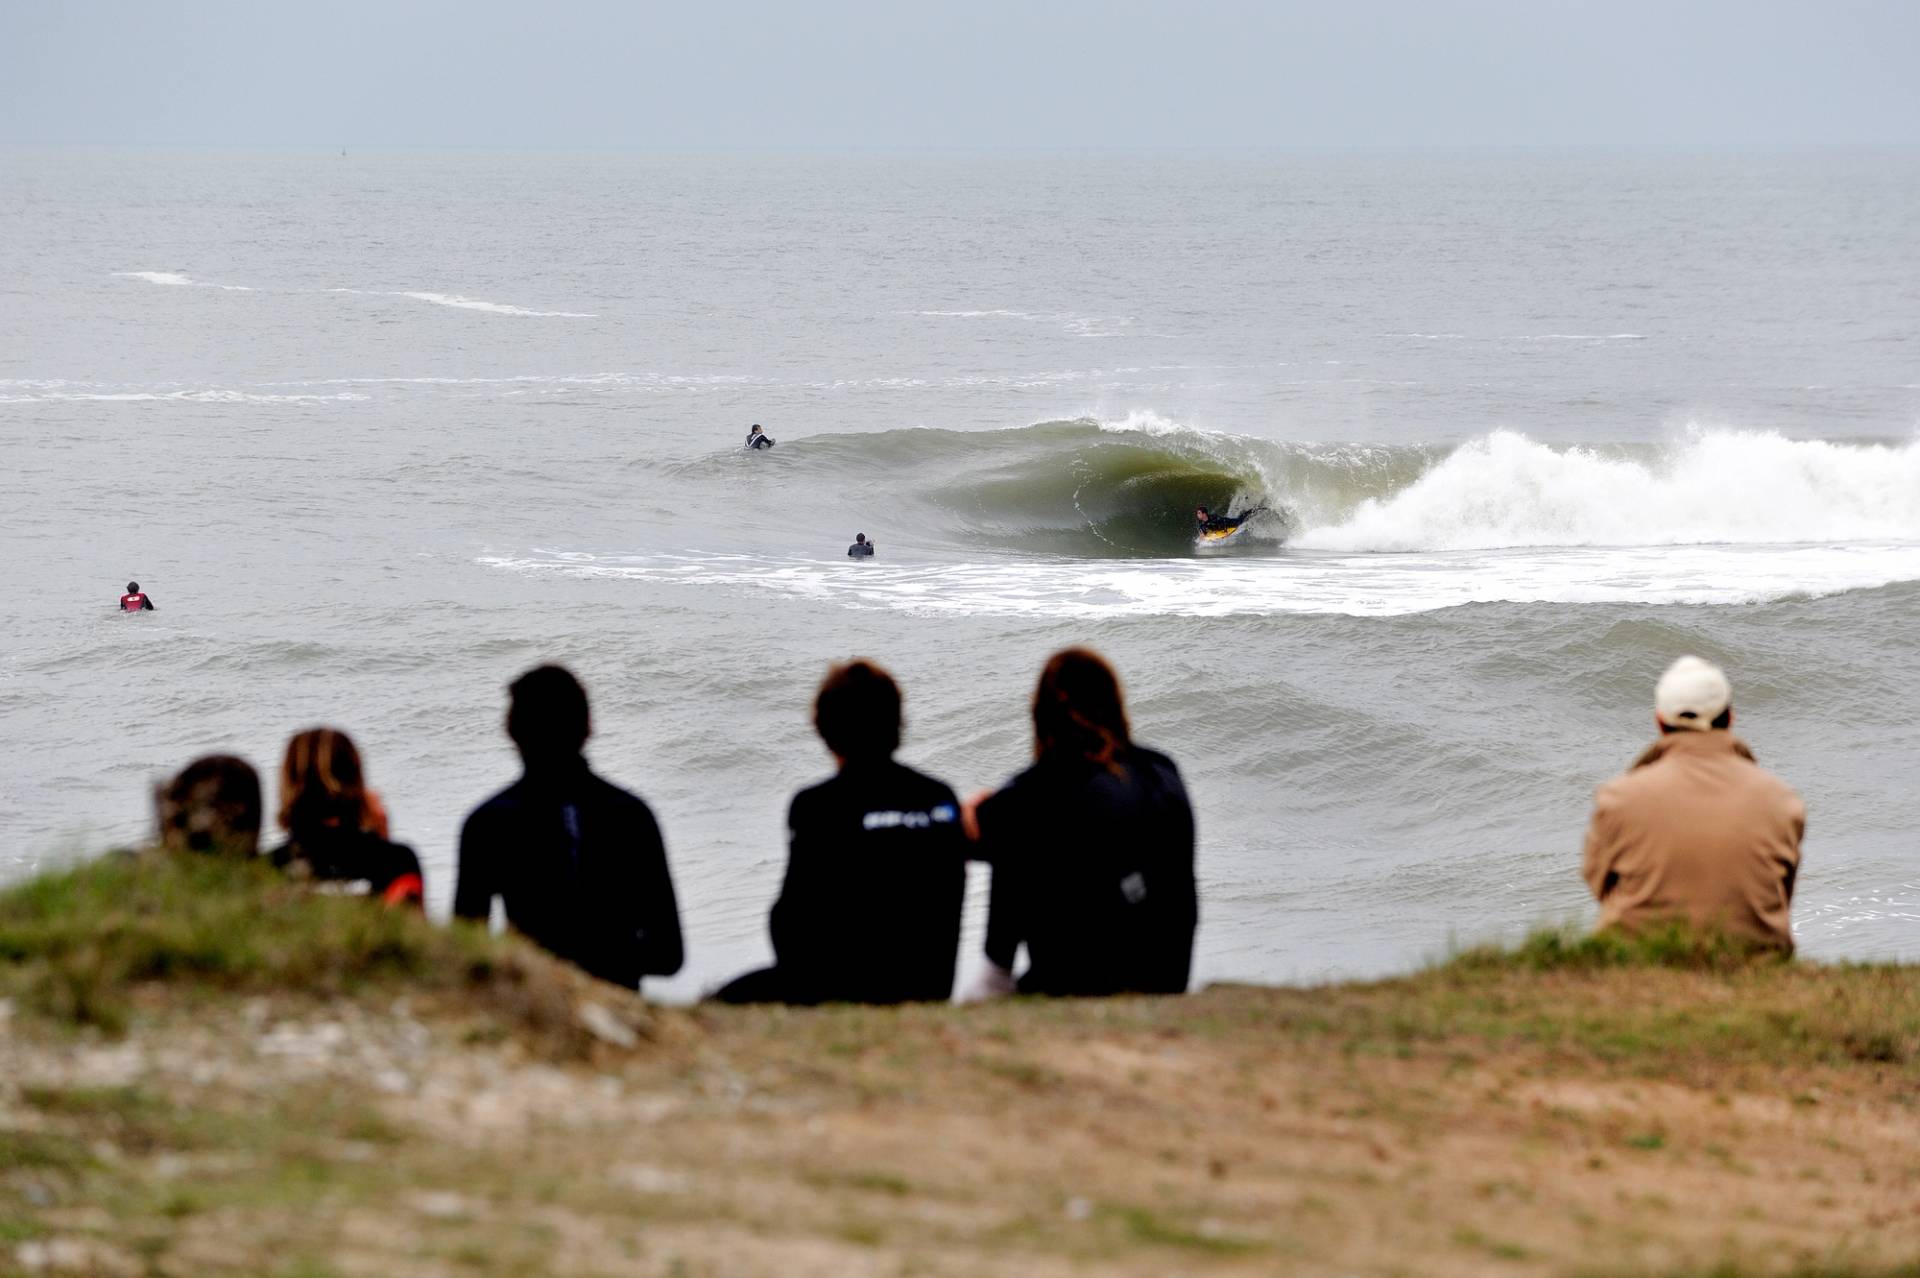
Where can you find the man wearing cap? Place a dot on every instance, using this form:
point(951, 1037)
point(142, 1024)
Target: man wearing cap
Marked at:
point(1696, 831)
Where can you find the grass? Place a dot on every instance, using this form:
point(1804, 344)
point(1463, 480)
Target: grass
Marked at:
point(79, 946)
point(1461, 1119)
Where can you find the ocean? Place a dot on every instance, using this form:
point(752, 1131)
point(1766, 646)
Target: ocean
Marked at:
point(379, 430)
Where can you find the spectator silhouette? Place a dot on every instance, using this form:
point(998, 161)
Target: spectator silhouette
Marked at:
point(578, 862)
point(1091, 848)
point(869, 911)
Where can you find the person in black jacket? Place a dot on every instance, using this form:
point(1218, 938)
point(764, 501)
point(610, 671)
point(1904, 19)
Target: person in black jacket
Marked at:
point(1091, 848)
point(578, 861)
point(876, 868)
point(337, 827)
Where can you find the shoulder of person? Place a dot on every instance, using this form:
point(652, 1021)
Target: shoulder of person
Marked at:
point(1148, 757)
point(822, 791)
point(397, 851)
point(913, 778)
point(599, 788)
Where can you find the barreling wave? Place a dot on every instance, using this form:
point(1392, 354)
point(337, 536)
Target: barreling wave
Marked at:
point(1128, 489)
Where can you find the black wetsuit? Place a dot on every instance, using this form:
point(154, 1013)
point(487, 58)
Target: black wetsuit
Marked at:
point(1220, 523)
point(368, 864)
point(860, 550)
point(1094, 873)
point(759, 440)
point(137, 603)
point(582, 869)
point(870, 908)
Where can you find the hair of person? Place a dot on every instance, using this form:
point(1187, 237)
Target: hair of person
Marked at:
point(321, 782)
point(547, 714)
point(133, 587)
point(859, 536)
point(1722, 720)
point(213, 805)
point(857, 711)
point(1079, 711)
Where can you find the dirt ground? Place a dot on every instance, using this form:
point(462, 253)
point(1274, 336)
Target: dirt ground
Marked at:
point(1605, 1123)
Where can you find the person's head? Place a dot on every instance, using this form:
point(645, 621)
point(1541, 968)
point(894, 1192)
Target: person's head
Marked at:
point(859, 539)
point(1693, 696)
point(857, 712)
point(755, 430)
point(321, 782)
point(547, 715)
point(133, 587)
point(1078, 709)
point(1200, 511)
point(212, 806)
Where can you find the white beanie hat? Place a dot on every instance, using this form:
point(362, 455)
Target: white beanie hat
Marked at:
point(1691, 694)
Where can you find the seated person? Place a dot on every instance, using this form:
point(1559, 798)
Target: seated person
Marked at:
point(336, 827)
point(758, 439)
point(577, 861)
point(876, 866)
point(1091, 848)
point(861, 547)
point(1696, 832)
point(135, 601)
point(212, 806)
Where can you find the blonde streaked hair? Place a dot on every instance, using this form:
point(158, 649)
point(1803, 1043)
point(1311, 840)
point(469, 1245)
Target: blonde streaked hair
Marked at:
point(321, 782)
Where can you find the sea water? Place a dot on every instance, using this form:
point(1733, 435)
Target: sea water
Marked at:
point(379, 431)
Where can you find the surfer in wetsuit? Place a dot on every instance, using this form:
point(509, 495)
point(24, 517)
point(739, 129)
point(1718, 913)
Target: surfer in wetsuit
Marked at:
point(861, 547)
point(134, 601)
point(758, 439)
point(1211, 523)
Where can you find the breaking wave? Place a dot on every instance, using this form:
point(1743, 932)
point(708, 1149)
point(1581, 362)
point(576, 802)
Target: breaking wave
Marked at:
point(1128, 489)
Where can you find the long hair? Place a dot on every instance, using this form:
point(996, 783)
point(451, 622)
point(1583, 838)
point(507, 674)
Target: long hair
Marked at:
point(321, 782)
point(1079, 712)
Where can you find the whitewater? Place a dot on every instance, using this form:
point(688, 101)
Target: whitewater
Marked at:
point(379, 432)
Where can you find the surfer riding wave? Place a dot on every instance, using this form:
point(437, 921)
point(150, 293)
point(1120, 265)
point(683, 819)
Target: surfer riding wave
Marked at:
point(1214, 526)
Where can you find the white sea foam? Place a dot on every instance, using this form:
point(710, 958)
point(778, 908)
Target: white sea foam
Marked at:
point(1349, 585)
point(176, 279)
point(1522, 337)
point(1713, 486)
point(1073, 322)
point(208, 396)
point(465, 303)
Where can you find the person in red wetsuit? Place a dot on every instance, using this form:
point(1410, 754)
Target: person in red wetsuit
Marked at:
point(134, 601)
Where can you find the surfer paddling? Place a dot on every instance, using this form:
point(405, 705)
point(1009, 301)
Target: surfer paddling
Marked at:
point(758, 439)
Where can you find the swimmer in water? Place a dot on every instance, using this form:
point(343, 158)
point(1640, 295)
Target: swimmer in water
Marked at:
point(861, 547)
point(134, 601)
point(758, 439)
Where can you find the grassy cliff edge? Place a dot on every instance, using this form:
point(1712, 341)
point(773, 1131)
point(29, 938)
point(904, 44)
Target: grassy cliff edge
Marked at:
point(205, 1069)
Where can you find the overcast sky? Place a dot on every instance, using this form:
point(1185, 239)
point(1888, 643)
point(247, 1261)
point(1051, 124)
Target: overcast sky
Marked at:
point(988, 73)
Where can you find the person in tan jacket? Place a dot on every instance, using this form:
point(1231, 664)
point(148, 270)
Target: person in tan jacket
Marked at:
point(1696, 831)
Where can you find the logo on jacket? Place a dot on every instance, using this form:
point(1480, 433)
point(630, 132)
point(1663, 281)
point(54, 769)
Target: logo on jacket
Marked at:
point(942, 815)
